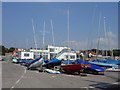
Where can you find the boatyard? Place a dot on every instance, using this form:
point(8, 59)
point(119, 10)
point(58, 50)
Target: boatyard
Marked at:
point(16, 76)
point(60, 45)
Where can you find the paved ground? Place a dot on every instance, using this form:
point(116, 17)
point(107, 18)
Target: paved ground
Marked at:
point(16, 76)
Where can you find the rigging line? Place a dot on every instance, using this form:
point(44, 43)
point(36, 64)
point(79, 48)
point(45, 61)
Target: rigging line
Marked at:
point(53, 37)
point(43, 38)
point(52, 33)
point(26, 43)
point(34, 34)
point(44, 35)
point(98, 35)
point(110, 45)
point(89, 42)
point(93, 18)
point(105, 35)
point(68, 29)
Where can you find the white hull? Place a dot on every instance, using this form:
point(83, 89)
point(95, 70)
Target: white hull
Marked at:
point(36, 64)
point(52, 71)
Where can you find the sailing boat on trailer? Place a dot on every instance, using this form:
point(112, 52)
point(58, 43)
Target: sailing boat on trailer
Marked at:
point(54, 61)
point(37, 63)
point(105, 63)
point(70, 66)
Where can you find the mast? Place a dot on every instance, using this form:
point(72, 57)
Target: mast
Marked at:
point(68, 29)
point(52, 33)
point(89, 40)
point(43, 39)
point(34, 35)
point(98, 36)
point(105, 34)
point(110, 40)
point(53, 37)
point(26, 43)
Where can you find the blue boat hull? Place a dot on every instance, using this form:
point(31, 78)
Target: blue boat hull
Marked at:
point(52, 63)
point(105, 63)
point(93, 68)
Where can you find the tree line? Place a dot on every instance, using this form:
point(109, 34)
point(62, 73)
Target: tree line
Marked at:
point(116, 52)
point(4, 50)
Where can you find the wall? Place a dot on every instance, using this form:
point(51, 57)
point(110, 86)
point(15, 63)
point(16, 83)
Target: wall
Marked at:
point(31, 56)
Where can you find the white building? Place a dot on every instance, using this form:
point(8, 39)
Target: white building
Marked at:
point(54, 50)
point(61, 52)
point(50, 52)
point(38, 53)
point(26, 55)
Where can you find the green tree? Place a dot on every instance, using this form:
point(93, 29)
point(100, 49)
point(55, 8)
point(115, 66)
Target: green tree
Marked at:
point(94, 50)
point(3, 50)
point(116, 52)
point(11, 49)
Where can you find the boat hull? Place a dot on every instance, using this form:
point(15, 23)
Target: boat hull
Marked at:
point(51, 65)
point(74, 67)
point(36, 65)
point(92, 69)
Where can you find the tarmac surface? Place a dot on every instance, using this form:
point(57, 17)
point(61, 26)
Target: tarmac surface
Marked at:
point(16, 76)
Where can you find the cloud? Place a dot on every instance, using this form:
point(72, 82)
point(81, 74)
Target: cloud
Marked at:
point(101, 40)
point(107, 43)
point(110, 34)
point(77, 45)
point(110, 42)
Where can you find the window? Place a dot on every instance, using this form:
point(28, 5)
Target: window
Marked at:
point(66, 56)
point(38, 53)
point(45, 57)
point(26, 55)
point(46, 53)
point(51, 49)
point(72, 57)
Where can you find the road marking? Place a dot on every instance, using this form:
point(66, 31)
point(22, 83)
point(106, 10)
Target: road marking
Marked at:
point(116, 83)
point(91, 87)
point(84, 87)
point(70, 75)
point(18, 79)
point(37, 72)
point(53, 76)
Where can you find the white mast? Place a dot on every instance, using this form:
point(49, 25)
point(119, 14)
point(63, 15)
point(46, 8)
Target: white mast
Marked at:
point(34, 35)
point(43, 39)
point(110, 40)
point(44, 35)
point(98, 35)
point(105, 34)
point(26, 43)
point(89, 40)
point(52, 33)
point(53, 36)
point(68, 33)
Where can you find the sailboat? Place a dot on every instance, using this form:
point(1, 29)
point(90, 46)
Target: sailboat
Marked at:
point(35, 64)
point(104, 63)
point(70, 66)
point(54, 61)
